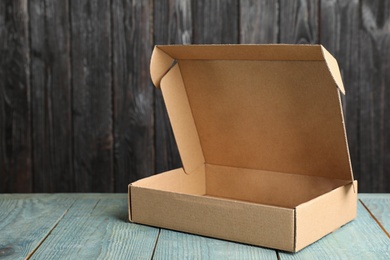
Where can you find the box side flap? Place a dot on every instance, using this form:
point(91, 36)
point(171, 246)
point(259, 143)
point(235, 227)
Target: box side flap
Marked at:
point(226, 219)
point(272, 52)
point(324, 214)
point(182, 120)
point(333, 66)
point(160, 64)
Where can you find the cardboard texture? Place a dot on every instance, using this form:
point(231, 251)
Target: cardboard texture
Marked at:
point(261, 135)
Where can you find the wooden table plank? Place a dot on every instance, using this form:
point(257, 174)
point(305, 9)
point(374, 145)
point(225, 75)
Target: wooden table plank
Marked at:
point(22, 225)
point(97, 228)
point(360, 239)
point(177, 245)
point(379, 206)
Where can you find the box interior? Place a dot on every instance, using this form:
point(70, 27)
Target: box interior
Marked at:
point(257, 124)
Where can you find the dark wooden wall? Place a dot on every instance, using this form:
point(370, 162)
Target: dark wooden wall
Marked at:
point(78, 112)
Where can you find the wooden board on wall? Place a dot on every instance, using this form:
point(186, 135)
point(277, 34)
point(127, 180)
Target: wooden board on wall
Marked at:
point(51, 96)
point(92, 95)
point(299, 21)
point(259, 21)
point(215, 21)
point(133, 92)
point(15, 110)
point(78, 111)
point(374, 81)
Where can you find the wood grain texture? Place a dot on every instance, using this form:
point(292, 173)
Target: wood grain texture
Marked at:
point(360, 239)
point(22, 225)
point(92, 95)
point(97, 228)
point(15, 110)
point(215, 21)
point(51, 96)
point(374, 81)
point(78, 111)
point(172, 24)
point(133, 92)
point(299, 21)
point(339, 33)
point(176, 245)
point(379, 206)
point(259, 21)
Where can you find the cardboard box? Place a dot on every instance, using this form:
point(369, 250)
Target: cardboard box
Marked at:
point(261, 136)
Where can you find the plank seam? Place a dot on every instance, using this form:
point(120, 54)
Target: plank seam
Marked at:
point(239, 21)
point(32, 184)
point(48, 233)
point(278, 37)
point(71, 90)
point(319, 23)
point(113, 111)
point(155, 244)
point(94, 207)
point(376, 220)
point(277, 254)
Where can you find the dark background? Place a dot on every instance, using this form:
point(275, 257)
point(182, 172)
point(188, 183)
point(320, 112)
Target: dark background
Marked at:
point(78, 112)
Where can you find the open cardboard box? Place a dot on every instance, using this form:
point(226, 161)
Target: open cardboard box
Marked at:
point(261, 136)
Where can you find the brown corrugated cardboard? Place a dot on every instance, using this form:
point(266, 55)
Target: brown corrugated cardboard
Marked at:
point(262, 141)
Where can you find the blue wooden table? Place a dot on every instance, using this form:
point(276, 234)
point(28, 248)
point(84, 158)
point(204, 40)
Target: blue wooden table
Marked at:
point(95, 226)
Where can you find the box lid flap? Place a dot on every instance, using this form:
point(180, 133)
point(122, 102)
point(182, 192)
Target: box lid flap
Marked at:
point(268, 107)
